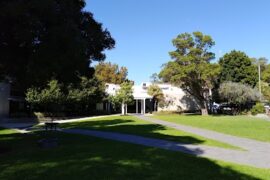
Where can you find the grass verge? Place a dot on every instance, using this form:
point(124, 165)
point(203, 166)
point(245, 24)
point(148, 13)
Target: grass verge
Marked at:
point(242, 126)
point(86, 157)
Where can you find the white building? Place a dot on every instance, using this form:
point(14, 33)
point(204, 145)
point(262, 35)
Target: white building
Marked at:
point(175, 98)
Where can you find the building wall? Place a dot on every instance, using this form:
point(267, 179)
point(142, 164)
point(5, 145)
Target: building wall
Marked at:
point(177, 100)
point(4, 102)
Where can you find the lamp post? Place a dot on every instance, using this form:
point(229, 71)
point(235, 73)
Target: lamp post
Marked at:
point(259, 73)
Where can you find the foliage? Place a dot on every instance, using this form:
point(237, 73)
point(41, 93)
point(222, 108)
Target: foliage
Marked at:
point(262, 61)
point(158, 96)
point(124, 95)
point(237, 93)
point(236, 66)
point(258, 108)
point(84, 96)
point(265, 88)
point(191, 67)
point(88, 89)
point(49, 98)
point(110, 73)
point(155, 91)
point(41, 40)
point(266, 74)
point(154, 78)
point(76, 99)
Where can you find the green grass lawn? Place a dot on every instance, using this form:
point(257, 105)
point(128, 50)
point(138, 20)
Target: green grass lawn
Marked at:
point(83, 157)
point(242, 126)
point(133, 125)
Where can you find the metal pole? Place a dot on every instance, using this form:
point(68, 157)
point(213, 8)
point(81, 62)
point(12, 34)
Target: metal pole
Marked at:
point(259, 72)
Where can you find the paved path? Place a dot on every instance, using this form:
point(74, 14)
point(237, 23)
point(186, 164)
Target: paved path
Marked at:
point(255, 149)
point(23, 126)
point(241, 157)
point(245, 143)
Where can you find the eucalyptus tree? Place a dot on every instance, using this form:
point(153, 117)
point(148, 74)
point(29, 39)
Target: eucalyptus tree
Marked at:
point(190, 67)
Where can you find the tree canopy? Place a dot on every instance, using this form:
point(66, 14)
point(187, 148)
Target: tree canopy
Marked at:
point(41, 40)
point(238, 93)
point(266, 74)
point(110, 73)
point(265, 88)
point(76, 99)
point(123, 96)
point(236, 66)
point(157, 93)
point(154, 78)
point(190, 67)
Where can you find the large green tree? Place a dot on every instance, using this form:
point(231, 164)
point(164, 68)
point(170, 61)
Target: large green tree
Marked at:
point(236, 66)
point(41, 40)
point(110, 73)
point(82, 97)
point(190, 67)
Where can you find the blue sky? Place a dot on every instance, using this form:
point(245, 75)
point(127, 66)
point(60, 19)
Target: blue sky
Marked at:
point(144, 29)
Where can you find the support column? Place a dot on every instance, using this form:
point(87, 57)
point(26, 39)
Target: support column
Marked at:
point(136, 106)
point(142, 112)
point(126, 108)
point(144, 106)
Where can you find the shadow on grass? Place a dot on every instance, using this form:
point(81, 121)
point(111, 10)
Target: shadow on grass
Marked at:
point(92, 158)
point(118, 125)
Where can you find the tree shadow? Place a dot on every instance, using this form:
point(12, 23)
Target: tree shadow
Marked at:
point(121, 125)
point(94, 158)
point(190, 103)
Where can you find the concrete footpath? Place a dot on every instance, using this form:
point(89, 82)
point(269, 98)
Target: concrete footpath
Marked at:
point(229, 155)
point(25, 125)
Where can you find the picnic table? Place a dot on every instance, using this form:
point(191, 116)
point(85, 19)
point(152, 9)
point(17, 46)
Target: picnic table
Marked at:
point(51, 125)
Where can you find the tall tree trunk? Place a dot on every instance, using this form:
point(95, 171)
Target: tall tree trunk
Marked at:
point(156, 105)
point(123, 109)
point(204, 109)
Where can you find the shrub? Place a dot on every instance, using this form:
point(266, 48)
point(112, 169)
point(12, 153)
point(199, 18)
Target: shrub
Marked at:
point(49, 99)
point(237, 93)
point(73, 100)
point(258, 108)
